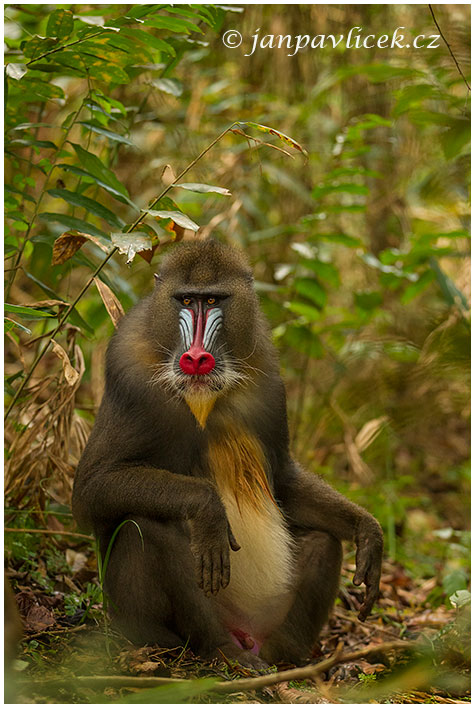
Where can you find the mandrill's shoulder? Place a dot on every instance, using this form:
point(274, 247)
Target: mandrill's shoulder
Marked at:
point(131, 352)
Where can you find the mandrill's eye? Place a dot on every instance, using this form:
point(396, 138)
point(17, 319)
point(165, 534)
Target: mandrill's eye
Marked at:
point(186, 301)
point(211, 301)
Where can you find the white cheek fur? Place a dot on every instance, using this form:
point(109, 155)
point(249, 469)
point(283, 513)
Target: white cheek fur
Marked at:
point(185, 321)
point(214, 321)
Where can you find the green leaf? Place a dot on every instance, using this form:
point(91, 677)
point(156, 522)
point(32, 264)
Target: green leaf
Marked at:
point(415, 288)
point(136, 12)
point(310, 313)
point(347, 187)
point(190, 13)
point(304, 340)
point(14, 190)
point(462, 598)
point(131, 244)
point(198, 187)
point(456, 138)
point(108, 72)
point(344, 239)
point(47, 144)
point(178, 217)
point(378, 73)
point(326, 271)
point(38, 46)
point(60, 24)
point(176, 693)
point(96, 128)
point(96, 167)
point(368, 300)
point(311, 289)
point(28, 312)
point(451, 293)
point(173, 24)
point(79, 200)
point(168, 86)
point(9, 324)
point(84, 173)
point(34, 88)
point(149, 39)
point(454, 581)
point(73, 223)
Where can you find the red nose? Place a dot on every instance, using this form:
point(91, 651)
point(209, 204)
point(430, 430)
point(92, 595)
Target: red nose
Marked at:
point(197, 361)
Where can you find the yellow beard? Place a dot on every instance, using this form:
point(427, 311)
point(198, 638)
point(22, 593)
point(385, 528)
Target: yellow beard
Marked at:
point(201, 407)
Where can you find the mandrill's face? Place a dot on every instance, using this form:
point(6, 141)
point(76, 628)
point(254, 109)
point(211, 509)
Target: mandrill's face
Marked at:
point(205, 320)
point(202, 365)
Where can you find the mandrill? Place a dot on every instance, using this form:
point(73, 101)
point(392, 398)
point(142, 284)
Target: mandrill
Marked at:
point(239, 550)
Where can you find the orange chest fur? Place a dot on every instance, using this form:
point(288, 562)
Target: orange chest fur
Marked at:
point(238, 465)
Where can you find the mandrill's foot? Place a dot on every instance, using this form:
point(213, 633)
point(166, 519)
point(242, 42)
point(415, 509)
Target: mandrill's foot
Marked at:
point(231, 652)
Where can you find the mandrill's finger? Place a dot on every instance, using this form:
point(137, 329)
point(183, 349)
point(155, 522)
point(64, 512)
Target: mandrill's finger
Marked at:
point(361, 571)
point(216, 572)
point(358, 578)
point(372, 593)
point(207, 574)
point(198, 559)
point(225, 570)
point(232, 540)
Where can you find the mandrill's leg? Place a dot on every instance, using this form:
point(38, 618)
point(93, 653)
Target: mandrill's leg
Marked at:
point(318, 569)
point(154, 594)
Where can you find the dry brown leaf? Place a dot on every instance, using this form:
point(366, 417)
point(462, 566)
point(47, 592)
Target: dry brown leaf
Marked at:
point(110, 300)
point(66, 246)
point(361, 469)
point(168, 175)
point(45, 304)
point(148, 667)
point(289, 695)
point(368, 432)
point(70, 374)
point(76, 560)
point(147, 255)
point(39, 618)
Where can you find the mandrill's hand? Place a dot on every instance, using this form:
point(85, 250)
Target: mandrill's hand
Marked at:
point(211, 540)
point(369, 553)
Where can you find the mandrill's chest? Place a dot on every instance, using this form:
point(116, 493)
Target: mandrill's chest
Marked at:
point(259, 592)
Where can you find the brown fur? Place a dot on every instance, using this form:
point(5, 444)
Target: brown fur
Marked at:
point(191, 470)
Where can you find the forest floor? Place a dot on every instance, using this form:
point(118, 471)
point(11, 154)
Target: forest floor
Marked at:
point(411, 650)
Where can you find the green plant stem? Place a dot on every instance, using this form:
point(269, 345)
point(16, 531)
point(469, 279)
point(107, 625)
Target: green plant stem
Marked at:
point(65, 46)
point(99, 268)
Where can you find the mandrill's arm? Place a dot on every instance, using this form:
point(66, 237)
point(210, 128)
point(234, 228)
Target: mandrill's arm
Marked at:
point(105, 495)
point(310, 503)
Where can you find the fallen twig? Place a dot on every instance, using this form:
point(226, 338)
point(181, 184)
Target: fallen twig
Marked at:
point(237, 685)
point(56, 632)
point(50, 531)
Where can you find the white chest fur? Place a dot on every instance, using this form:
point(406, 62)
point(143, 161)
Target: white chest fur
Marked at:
point(259, 593)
